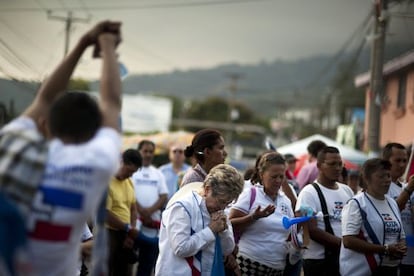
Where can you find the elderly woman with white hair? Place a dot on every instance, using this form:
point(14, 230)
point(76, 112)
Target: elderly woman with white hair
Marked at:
point(194, 226)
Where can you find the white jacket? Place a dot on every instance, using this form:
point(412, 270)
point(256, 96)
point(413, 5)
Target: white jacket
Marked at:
point(185, 233)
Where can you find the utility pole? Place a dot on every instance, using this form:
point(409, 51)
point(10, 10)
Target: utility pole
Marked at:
point(376, 79)
point(234, 77)
point(69, 19)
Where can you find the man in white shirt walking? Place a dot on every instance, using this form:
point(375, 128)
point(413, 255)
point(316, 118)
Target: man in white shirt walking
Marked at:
point(322, 256)
point(151, 194)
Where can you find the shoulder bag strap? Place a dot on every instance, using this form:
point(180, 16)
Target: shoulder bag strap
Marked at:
point(252, 196)
point(369, 256)
point(367, 226)
point(328, 227)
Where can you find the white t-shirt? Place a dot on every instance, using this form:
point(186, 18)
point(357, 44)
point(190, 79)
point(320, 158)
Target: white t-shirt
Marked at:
point(75, 179)
point(381, 214)
point(406, 217)
point(264, 240)
point(335, 201)
point(149, 184)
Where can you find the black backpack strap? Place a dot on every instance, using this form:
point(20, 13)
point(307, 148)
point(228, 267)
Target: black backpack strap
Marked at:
point(328, 227)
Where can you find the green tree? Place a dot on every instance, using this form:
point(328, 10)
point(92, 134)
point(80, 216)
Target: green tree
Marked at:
point(79, 84)
point(217, 109)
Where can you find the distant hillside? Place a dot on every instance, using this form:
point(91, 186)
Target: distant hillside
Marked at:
point(258, 82)
point(262, 86)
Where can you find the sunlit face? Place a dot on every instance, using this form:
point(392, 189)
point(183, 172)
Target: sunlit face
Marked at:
point(147, 154)
point(217, 154)
point(331, 167)
point(272, 178)
point(379, 182)
point(398, 162)
point(215, 203)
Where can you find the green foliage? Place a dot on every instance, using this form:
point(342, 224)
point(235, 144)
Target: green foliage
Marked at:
point(217, 109)
point(79, 85)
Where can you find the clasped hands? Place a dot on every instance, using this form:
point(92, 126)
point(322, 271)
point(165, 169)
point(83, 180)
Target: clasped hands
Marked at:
point(218, 222)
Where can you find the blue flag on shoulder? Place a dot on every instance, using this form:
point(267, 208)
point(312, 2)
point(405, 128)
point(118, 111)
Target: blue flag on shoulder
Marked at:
point(218, 264)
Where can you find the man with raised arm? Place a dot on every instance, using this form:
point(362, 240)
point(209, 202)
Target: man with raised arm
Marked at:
point(82, 155)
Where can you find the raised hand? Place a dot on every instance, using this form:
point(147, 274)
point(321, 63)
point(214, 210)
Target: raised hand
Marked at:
point(91, 37)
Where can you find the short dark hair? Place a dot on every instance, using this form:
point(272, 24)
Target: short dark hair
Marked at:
point(322, 153)
point(371, 166)
point(132, 157)
point(145, 142)
point(205, 138)
point(76, 116)
point(315, 146)
point(387, 150)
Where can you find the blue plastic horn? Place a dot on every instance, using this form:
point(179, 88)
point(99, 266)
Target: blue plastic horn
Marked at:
point(288, 222)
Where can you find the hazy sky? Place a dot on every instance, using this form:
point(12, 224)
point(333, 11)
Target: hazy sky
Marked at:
point(163, 35)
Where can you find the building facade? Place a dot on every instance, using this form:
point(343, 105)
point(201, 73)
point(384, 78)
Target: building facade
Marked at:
point(397, 101)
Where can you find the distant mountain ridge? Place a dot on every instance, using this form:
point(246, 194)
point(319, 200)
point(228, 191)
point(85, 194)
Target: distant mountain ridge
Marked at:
point(261, 86)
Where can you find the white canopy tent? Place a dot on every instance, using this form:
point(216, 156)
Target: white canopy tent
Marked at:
point(299, 148)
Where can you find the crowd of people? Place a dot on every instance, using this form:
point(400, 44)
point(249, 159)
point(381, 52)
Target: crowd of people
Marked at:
point(64, 179)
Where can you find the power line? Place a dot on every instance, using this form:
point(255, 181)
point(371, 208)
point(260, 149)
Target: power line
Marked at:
point(18, 83)
point(15, 57)
point(21, 35)
point(341, 51)
point(69, 19)
point(139, 7)
point(11, 61)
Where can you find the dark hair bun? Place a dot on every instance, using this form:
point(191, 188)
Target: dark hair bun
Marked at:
point(189, 151)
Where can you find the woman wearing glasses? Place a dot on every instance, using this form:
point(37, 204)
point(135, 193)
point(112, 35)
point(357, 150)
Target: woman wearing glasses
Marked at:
point(373, 241)
point(258, 214)
point(191, 224)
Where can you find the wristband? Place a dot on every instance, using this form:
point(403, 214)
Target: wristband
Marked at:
point(408, 191)
point(127, 227)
